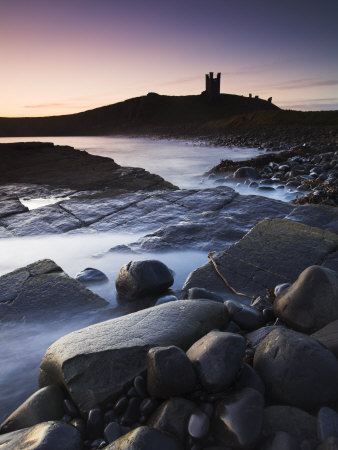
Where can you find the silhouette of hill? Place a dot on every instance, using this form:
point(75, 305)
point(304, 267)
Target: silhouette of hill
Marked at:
point(150, 114)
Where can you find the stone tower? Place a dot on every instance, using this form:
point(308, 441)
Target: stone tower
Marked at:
point(212, 85)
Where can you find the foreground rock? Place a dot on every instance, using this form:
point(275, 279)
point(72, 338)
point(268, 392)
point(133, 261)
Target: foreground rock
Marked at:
point(275, 251)
point(46, 435)
point(140, 278)
point(42, 288)
point(144, 438)
point(96, 363)
point(45, 404)
point(311, 302)
point(328, 336)
point(297, 370)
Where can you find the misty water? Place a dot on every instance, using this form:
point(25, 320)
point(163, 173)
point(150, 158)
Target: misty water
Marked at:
point(179, 162)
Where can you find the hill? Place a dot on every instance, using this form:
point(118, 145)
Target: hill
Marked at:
point(150, 114)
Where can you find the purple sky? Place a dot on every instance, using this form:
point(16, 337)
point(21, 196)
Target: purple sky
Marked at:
point(65, 56)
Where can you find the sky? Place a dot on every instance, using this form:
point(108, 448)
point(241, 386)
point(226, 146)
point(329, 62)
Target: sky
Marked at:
point(66, 56)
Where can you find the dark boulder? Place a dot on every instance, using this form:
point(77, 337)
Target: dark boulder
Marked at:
point(90, 275)
point(328, 336)
point(140, 278)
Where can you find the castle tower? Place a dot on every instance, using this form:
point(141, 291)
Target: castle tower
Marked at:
point(212, 85)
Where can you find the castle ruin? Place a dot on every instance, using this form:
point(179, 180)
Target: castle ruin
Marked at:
point(212, 85)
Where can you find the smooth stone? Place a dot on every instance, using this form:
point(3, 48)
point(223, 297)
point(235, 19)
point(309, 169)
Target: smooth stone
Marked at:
point(97, 363)
point(327, 423)
point(249, 378)
point(145, 438)
point(45, 404)
point(296, 369)
point(148, 405)
point(95, 423)
point(200, 293)
point(70, 408)
point(169, 372)
point(30, 292)
point(280, 441)
point(331, 443)
point(280, 288)
point(121, 406)
point(199, 424)
point(217, 358)
point(140, 278)
point(328, 336)
point(140, 386)
point(300, 424)
point(112, 432)
point(90, 275)
point(311, 302)
point(110, 416)
point(45, 435)
point(165, 299)
point(238, 418)
point(261, 303)
point(172, 417)
point(257, 336)
point(79, 424)
point(268, 315)
point(246, 172)
point(246, 317)
point(132, 413)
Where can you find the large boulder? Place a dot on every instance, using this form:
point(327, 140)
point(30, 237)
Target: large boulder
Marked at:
point(97, 363)
point(328, 336)
point(275, 251)
point(41, 288)
point(140, 278)
point(45, 404)
point(311, 302)
point(46, 435)
point(297, 370)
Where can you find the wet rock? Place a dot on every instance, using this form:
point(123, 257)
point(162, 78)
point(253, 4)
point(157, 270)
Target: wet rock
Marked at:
point(249, 378)
point(328, 336)
point(90, 275)
point(121, 406)
point(238, 419)
point(140, 386)
point(45, 404)
point(165, 299)
point(327, 423)
point(331, 443)
point(275, 251)
point(46, 435)
point(95, 423)
point(97, 363)
point(132, 413)
point(217, 358)
point(199, 424)
point(246, 172)
point(311, 302)
point(148, 405)
point(70, 408)
point(172, 417)
point(256, 337)
point(31, 292)
point(200, 293)
point(169, 372)
point(139, 278)
point(246, 317)
point(283, 358)
point(112, 432)
point(280, 441)
point(321, 216)
point(145, 438)
point(300, 424)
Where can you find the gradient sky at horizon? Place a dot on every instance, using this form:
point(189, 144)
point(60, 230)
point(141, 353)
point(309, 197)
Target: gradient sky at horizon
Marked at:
point(65, 56)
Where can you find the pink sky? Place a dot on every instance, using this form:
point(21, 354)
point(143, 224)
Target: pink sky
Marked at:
point(69, 56)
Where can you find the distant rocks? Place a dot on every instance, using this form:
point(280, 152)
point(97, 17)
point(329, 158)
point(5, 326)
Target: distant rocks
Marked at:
point(90, 275)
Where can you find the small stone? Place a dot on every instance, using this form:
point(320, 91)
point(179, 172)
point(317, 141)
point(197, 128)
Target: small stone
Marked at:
point(95, 423)
point(249, 378)
point(112, 432)
point(90, 275)
point(280, 441)
point(70, 408)
point(238, 418)
point(246, 317)
point(140, 386)
point(165, 299)
point(169, 372)
point(327, 423)
point(256, 337)
point(121, 406)
point(268, 315)
point(199, 424)
point(109, 416)
point(79, 424)
point(246, 172)
point(201, 293)
point(148, 405)
point(132, 413)
point(220, 350)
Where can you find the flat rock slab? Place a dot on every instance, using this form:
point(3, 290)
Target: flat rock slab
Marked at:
point(41, 288)
point(96, 363)
point(275, 251)
point(321, 216)
point(11, 206)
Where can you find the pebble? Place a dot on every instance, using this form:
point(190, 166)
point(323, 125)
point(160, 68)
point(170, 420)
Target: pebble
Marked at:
point(198, 425)
point(70, 408)
point(327, 423)
point(121, 406)
point(95, 423)
point(112, 432)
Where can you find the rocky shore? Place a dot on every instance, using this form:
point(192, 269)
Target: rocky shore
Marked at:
point(248, 364)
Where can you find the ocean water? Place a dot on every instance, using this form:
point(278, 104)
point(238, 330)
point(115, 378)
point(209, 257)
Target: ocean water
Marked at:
point(179, 162)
